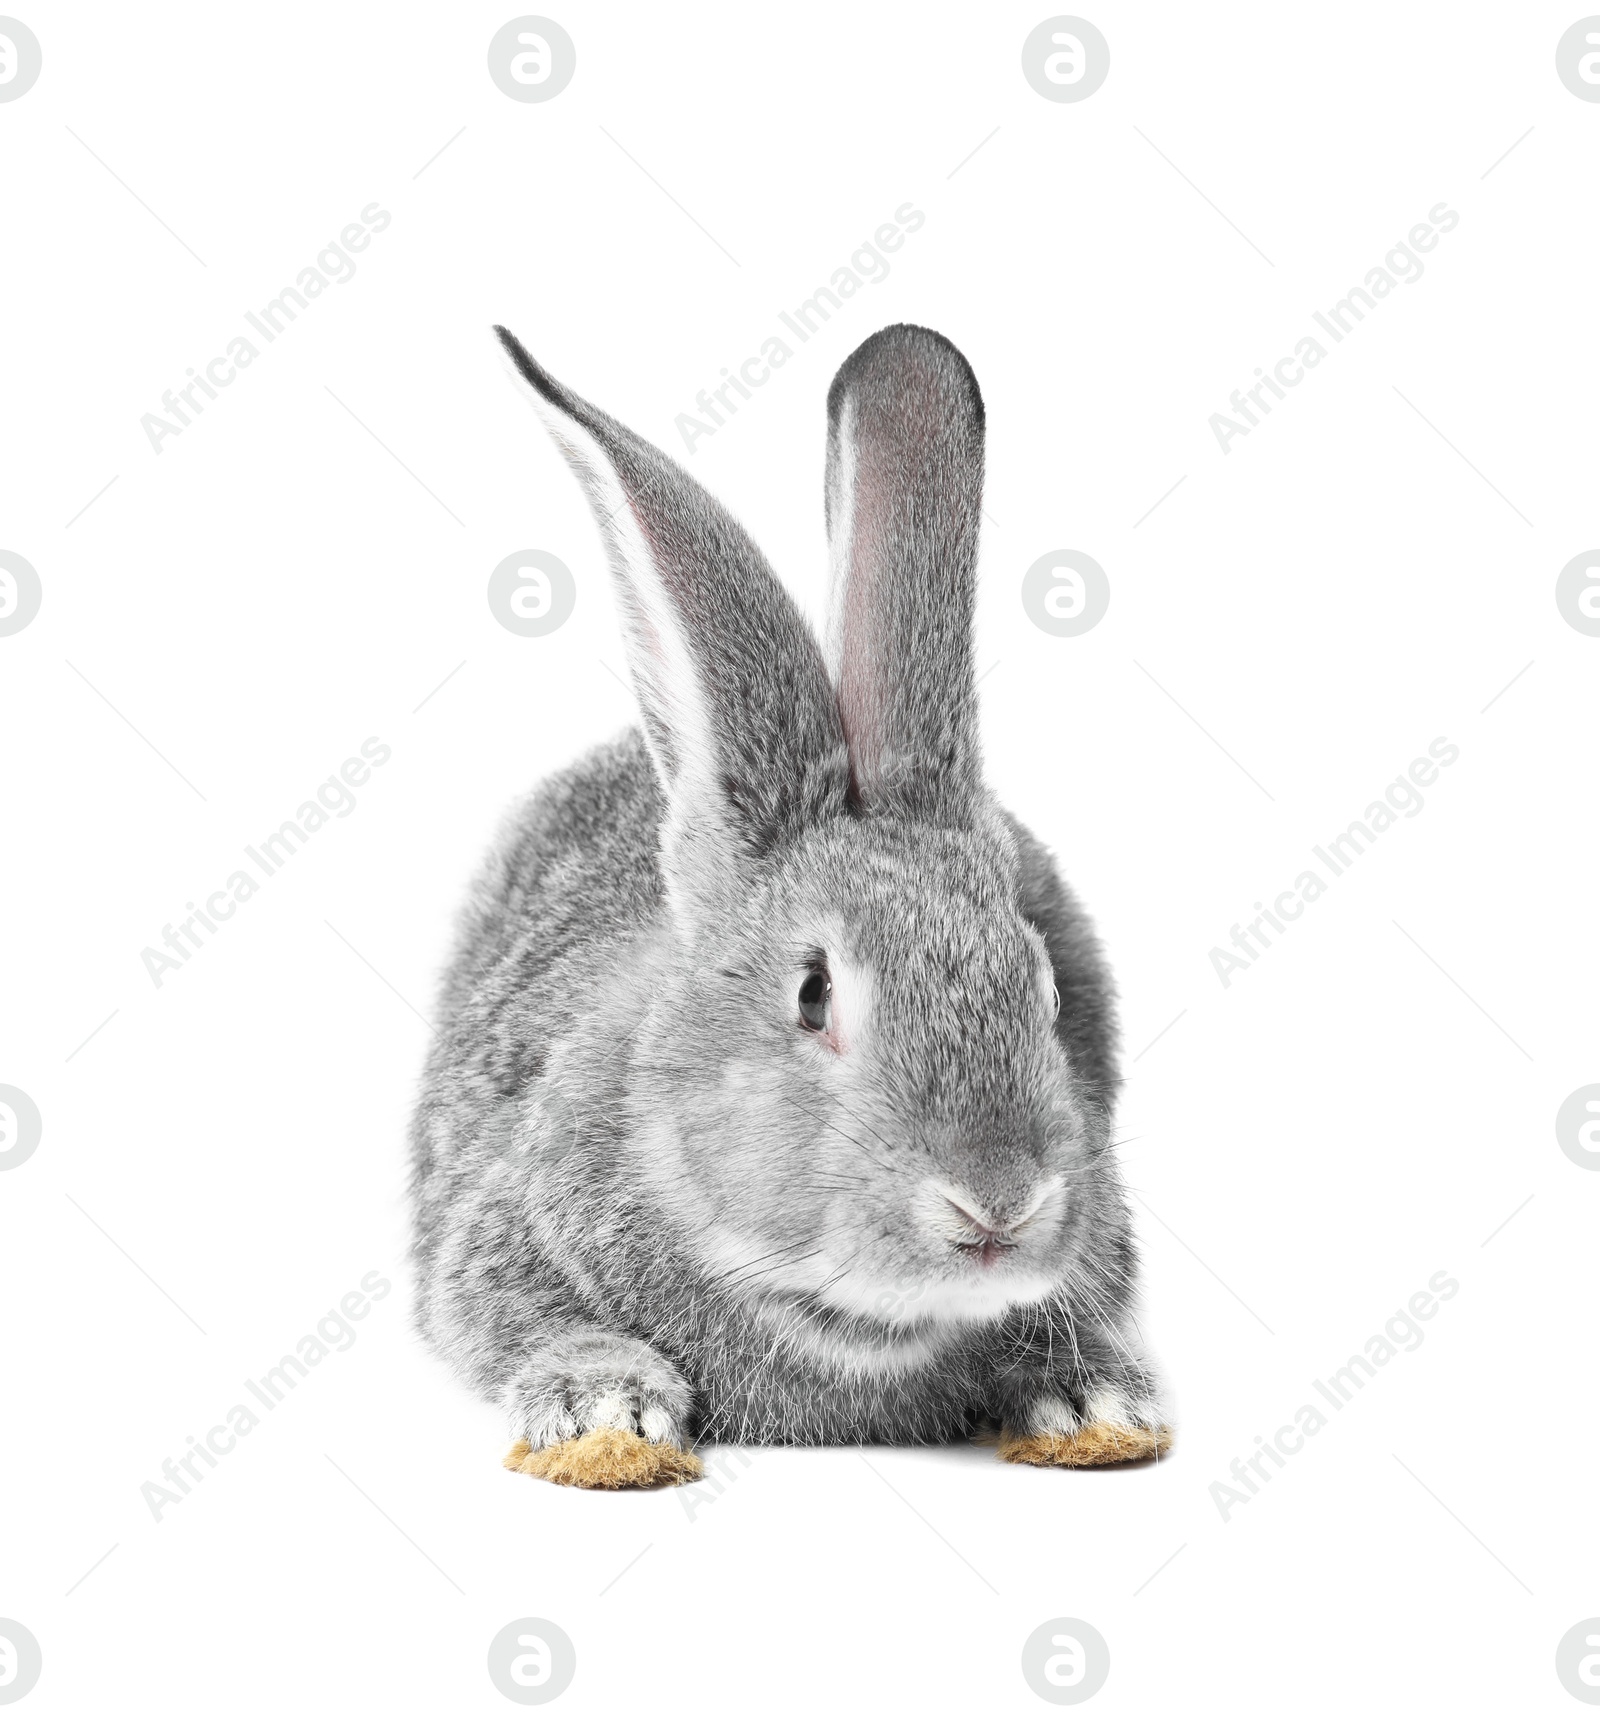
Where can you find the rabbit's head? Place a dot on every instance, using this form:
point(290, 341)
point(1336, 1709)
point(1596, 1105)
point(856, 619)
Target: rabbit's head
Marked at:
point(847, 1085)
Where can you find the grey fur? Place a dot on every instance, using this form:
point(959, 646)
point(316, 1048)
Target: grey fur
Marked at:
point(645, 1194)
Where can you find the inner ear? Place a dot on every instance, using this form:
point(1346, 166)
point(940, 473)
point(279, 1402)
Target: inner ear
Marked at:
point(904, 495)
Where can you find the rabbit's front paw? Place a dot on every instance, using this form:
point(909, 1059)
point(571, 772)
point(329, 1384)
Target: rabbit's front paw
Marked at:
point(599, 1411)
point(1111, 1429)
point(605, 1459)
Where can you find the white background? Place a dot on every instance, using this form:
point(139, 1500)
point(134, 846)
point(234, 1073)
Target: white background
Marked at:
point(1317, 1139)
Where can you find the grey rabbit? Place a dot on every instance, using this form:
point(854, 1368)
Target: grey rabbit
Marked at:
point(771, 1099)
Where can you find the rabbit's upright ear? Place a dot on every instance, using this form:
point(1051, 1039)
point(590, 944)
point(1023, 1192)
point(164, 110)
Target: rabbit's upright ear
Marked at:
point(738, 710)
point(904, 492)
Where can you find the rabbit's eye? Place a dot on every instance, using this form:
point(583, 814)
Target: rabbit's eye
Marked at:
point(814, 990)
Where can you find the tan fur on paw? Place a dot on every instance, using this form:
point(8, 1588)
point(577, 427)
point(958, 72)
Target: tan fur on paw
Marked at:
point(1095, 1444)
point(606, 1459)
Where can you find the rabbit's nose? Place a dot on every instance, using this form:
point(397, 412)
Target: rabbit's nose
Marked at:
point(977, 1221)
point(985, 1231)
point(999, 1213)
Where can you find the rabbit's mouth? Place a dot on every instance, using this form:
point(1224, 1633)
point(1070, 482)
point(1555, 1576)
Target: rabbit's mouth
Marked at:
point(986, 1258)
point(989, 1251)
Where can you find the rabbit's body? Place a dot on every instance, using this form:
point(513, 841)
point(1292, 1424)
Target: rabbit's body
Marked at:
point(532, 1109)
point(772, 1091)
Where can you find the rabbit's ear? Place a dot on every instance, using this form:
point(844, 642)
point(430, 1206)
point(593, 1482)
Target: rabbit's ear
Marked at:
point(739, 714)
point(904, 492)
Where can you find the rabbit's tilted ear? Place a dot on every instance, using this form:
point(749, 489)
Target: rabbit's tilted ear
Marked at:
point(904, 492)
point(738, 711)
